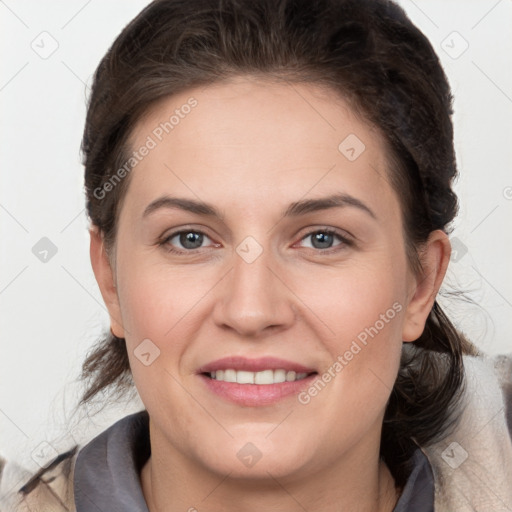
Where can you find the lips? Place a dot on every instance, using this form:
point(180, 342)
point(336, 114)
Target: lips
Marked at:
point(254, 365)
point(259, 390)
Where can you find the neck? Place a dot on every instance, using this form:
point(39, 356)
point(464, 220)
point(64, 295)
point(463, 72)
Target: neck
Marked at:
point(170, 482)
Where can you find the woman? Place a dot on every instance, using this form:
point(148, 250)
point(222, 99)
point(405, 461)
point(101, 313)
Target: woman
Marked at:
point(270, 190)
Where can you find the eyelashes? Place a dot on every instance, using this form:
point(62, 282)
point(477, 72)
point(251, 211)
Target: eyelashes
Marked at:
point(184, 239)
point(321, 236)
point(331, 234)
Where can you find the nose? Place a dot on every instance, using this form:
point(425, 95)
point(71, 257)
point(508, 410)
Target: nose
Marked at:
point(253, 299)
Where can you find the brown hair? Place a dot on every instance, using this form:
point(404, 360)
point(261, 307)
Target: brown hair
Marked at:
point(371, 54)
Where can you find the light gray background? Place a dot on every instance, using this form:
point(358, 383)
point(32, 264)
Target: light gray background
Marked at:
point(51, 312)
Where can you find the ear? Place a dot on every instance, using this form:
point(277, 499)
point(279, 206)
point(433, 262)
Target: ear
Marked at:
point(105, 279)
point(435, 258)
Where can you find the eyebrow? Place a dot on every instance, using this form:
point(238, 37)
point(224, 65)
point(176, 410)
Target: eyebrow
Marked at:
point(293, 210)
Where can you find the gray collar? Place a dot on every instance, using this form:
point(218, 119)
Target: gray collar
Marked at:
point(107, 472)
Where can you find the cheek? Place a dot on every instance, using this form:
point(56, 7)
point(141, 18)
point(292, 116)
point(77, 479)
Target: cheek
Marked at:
point(168, 307)
point(157, 298)
point(349, 299)
point(361, 314)
point(160, 306)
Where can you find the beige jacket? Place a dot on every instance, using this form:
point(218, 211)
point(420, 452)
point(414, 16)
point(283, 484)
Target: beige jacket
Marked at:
point(472, 467)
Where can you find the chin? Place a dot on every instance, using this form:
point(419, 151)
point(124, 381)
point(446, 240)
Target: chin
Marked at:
point(255, 459)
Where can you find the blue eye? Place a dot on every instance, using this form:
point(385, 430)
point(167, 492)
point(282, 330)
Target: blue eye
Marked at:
point(324, 239)
point(189, 240)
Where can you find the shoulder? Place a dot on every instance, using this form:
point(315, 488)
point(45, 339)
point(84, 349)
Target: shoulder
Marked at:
point(503, 367)
point(472, 465)
point(50, 489)
point(53, 488)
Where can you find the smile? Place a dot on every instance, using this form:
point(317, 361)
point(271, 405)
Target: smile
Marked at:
point(264, 377)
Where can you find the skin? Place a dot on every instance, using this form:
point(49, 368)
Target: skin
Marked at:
point(250, 148)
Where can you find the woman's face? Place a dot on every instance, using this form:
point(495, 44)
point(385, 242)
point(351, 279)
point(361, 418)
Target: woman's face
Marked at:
point(263, 270)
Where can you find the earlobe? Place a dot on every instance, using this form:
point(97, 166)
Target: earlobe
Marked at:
point(435, 258)
point(105, 279)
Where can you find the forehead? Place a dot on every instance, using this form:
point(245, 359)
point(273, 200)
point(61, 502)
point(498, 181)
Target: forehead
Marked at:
point(254, 138)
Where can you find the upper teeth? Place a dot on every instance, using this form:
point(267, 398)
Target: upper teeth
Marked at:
point(264, 377)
